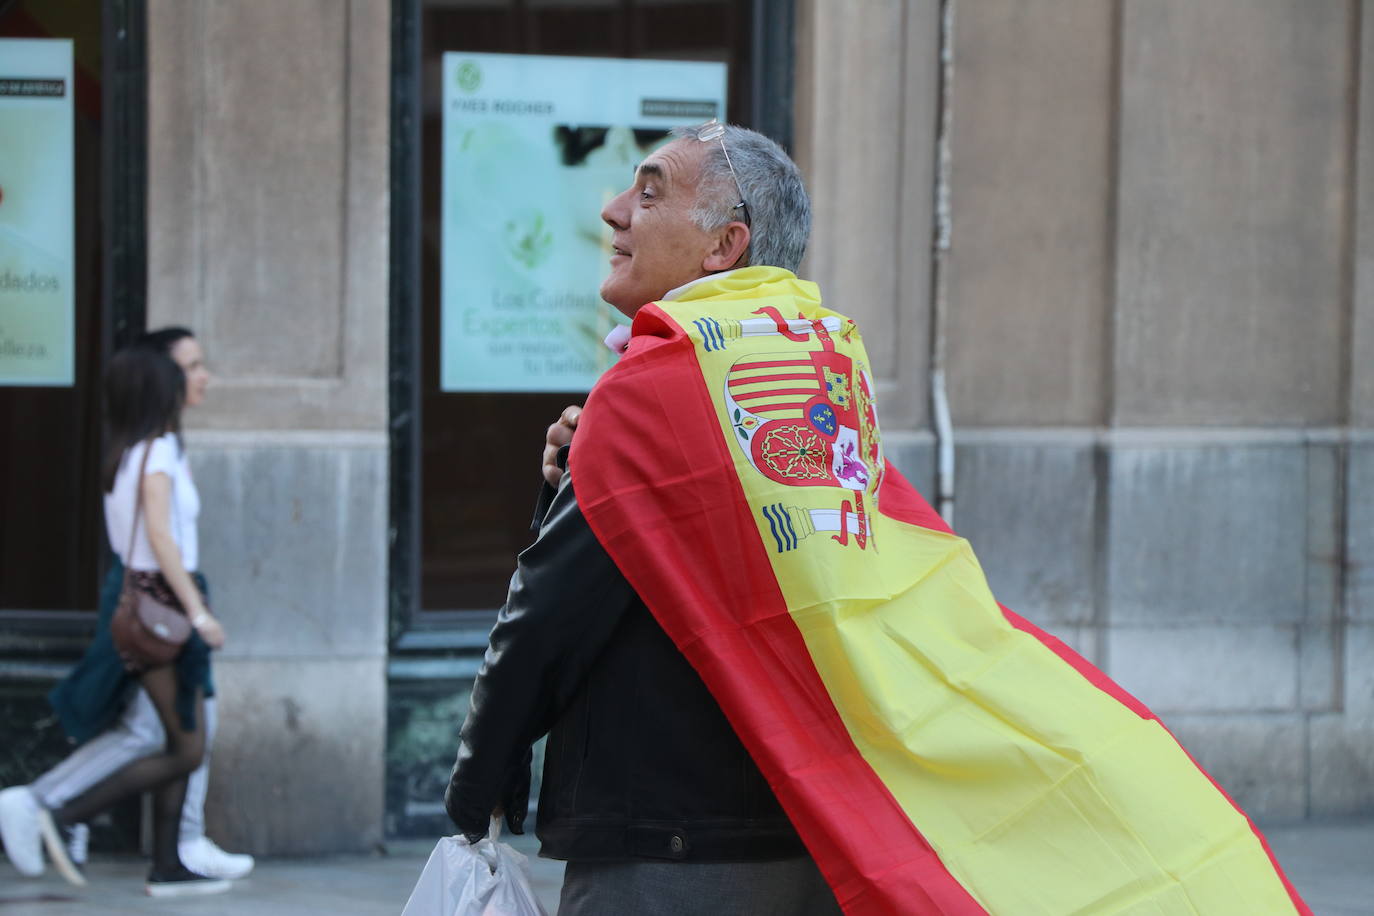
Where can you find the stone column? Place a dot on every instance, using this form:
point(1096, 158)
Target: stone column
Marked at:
point(1342, 740)
point(867, 101)
point(1231, 311)
point(1032, 149)
point(267, 212)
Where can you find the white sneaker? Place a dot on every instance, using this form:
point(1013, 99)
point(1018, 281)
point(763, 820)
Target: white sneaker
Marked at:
point(55, 839)
point(203, 857)
point(19, 830)
point(78, 839)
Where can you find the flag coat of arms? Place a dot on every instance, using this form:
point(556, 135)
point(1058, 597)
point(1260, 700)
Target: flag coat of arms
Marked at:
point(936, 752)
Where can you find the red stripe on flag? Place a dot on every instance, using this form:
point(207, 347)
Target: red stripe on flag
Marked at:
point(776, 393)
point(692, 551)
point(769, 364)
point(756, 379)
point(898, 499)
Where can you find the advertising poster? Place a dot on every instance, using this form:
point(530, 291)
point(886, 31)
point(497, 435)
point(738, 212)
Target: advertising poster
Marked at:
point(533, 148)
point(37, 162)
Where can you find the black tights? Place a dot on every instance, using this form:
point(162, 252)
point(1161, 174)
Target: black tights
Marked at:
point(164, 774)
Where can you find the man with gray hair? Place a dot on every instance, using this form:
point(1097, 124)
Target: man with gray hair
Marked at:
point(743, 609)
point(647, 791)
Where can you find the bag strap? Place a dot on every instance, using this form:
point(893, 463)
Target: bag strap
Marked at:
point(138, 507)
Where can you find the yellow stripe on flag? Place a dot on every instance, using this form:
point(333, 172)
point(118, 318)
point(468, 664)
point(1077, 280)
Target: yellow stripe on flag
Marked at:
point(741, 392)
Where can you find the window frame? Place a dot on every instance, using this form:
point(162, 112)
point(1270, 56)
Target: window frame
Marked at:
point(41, 643)
point(772, 65)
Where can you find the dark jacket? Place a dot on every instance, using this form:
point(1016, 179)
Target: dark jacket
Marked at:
point(640, 762)
point(94, 693)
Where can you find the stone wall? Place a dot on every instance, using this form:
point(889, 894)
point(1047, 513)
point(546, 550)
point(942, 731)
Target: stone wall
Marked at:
point(1158, 316)
point(267, 210)
point(1156, 292)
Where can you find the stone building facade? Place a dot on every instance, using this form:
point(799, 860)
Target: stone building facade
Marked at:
point(1152, 278)
point(1137, 237)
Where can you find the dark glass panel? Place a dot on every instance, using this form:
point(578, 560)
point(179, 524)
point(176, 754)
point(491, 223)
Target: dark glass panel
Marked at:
point(51, 537)
point(479, 463)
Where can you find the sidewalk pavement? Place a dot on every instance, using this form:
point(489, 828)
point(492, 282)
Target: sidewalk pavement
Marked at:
point(1331, 863)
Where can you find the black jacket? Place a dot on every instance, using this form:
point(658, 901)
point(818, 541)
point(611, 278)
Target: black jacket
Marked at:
point(640, 761)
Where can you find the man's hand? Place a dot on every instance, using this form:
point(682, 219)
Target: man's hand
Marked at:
point(558, 435)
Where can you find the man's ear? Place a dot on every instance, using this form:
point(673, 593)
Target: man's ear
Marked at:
point(732, 241)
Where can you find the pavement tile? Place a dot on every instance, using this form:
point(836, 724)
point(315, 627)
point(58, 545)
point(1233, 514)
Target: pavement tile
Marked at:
point(1330, 862)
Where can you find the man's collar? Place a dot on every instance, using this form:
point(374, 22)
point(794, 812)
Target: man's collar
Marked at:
point(619, 338)
point(726, 284)
point(675, 293)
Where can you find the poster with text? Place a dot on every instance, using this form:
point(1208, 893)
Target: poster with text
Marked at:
point(533, 148)
point(37, 161)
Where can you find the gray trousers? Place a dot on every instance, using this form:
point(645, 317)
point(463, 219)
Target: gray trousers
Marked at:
point(138, 733)
point(784, 887)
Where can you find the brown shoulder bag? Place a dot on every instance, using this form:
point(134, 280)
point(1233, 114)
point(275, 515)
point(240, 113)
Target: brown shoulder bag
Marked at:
point(146, 630)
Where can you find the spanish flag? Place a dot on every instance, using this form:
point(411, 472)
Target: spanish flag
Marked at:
point(936, 752)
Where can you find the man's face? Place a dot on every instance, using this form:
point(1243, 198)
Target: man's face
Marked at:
point(657, 247)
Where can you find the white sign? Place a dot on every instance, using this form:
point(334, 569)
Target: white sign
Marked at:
point(533, 148)
point(37, 212)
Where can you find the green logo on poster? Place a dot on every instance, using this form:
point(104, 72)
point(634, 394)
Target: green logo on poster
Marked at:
point(469, 76)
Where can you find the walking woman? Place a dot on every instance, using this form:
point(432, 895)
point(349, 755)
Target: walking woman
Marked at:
point(112, 725)
point(144, 394)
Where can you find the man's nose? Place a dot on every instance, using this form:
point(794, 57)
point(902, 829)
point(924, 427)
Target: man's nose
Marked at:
point(615, 214)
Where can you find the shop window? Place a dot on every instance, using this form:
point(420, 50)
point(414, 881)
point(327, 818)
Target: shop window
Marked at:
point(53, 301)
point(479, 450)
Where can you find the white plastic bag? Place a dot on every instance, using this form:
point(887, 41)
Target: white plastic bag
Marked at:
point(488, 878)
